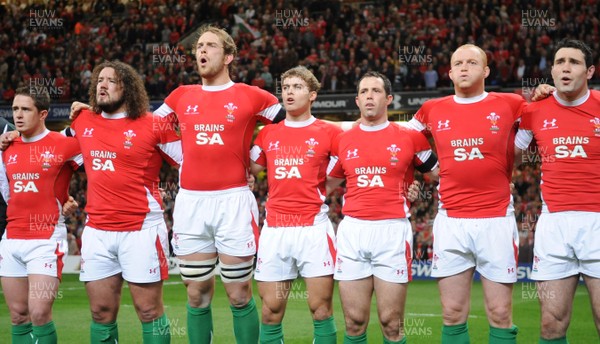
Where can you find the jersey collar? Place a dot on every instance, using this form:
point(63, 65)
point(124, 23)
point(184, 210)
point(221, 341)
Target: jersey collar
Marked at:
point(301, 124)
point(36, 137)
point(374, 128)
point(119, 115)
point(219, 87)
point(576, 102)
point(470, 100)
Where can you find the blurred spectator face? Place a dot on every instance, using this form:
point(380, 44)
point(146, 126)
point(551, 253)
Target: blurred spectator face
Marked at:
point(372, 100)
point(109, 92)
point(296, 96)
point(210, 56)
point(570, 73)
point(29, 120)
point(468, 71)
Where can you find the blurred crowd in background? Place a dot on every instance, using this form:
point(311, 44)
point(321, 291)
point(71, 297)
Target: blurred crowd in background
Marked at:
point(409, 41)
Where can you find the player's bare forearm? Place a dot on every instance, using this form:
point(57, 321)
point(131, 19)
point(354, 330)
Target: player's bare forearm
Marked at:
point(519, 154)
point(255, 168)
point(332, 183)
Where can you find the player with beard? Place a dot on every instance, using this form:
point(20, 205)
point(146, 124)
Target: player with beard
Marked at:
point(216, 214)
point(125, 237)
point(215, 217)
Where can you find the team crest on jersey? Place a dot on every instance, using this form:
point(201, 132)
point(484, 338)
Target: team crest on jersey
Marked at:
point(393, 152)
point(352, 154)
point(443, 125)
point(191, 110)
point(12, 159)
point(273, 146)
point(311, 146)
point(88, 132)
point(230, 108)
point(596, 123)
point(129, 135)
point(549, 124)
point(46, 158)
point(494, 121)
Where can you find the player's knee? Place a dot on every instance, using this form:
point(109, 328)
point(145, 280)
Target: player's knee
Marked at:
point(197, 271)
point(39, 316)
point(454, 313)
point(148, 314)
point(19, 315)
point(272, 314)
point(355, 327)
point(103, 314)
point(390, 323)
point(500, 315)
point(322, 311)
point(554, 325)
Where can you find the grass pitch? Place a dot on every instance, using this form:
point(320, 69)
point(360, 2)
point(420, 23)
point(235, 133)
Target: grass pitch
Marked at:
point(423, 315)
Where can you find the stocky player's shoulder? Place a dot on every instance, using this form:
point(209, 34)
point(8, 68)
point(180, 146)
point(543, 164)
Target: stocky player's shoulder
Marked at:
point(243, 86)
point(332, 129)
point(183, 89)
point(253, 91)
point(595, 94)
point(506, 95)
point(84, 116)
point(436, 101)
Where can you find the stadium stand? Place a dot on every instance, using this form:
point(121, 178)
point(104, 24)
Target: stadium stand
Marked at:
point(59, 42)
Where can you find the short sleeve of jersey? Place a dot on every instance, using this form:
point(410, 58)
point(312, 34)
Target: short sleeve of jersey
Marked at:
point(420, 144)
point(421, 114)
point(337, 171)
point(259, 142)
point(173, 98)
point(266, 105)
point(73, 152)
point(527, 116)
point(516, 102)
point(164, 128)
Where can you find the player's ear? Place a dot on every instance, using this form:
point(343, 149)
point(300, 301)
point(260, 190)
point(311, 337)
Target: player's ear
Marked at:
point(390, 98)
point(228, 59)
point(486, 72)
point(313, 96)
point(43, 115)
point(590, 71)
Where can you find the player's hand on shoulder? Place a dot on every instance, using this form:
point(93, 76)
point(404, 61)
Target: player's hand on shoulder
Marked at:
point(76, 108)
point(542, 91)
point(7, 138)
point(413, 191)
point(251, 180)
point(70, 206)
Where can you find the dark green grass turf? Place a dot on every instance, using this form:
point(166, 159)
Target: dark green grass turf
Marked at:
point(423, 319)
